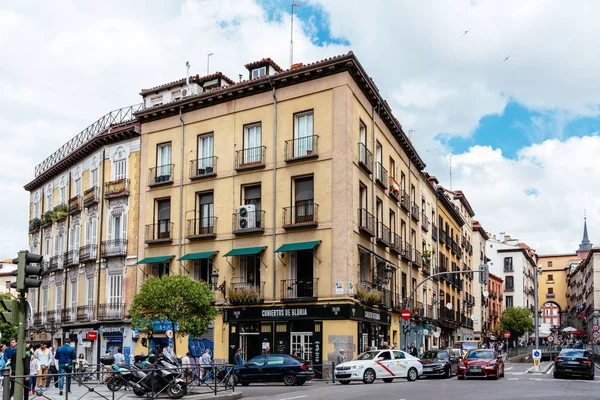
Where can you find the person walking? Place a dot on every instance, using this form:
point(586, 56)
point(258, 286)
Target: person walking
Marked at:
point(119, 357)
point(8, 352)
point(52, 370)
point(80, 367)
point(413, 350)
point(65, 355)
point(185, 364)
point(421, 350)
point(35, 369)
point(26, 371)
point(340, 357)
point(44, 359)
point(238, 359)
point(206, 364)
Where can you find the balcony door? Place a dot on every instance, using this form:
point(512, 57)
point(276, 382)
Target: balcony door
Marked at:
point(205, 154)
point(202, 270)
point(304, 200)
point(73, 297)
point(163, 219)
point(89, 293)
point(302, 274)
point(58, 293)
point(205, 213)
point(250, 269)
point(252, 144)
point(303, 134)
point(115, 289)
point(117, 232)
point(163, 160)
point(119, 170)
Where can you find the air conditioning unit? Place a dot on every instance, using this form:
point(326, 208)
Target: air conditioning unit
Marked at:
point(247, 216)
point(187, 91)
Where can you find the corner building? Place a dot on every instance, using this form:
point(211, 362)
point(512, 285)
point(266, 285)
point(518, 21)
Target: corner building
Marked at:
point(296, 195)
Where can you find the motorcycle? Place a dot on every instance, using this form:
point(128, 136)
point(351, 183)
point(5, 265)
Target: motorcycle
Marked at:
point(162, 375)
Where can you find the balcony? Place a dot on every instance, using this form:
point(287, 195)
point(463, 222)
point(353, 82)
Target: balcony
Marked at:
point(246, 293)
point(161, 175)
point(54, 316)
point(394, 189)
point(248, 222)
point(396, 245)
point(372, 294)
point(69, 315)
point(203, 168)
point(366, 222)
point(160, 232)
point(75, 205)
point(303, 215)
point(34, 225)
point(117, 188)
point(38, 318)
point(299, 289)
point(87, 253)
point(405, 201)
point(550, 295)
point(443, 236)
point(424, 222)
point(418, 309)
point(113, 248)
point(417, 259)
point(60, 213)
point(253, 157)
point(434, 232)
point(56, 263)
point(384, 236)
point(90, 197)
point(414, 211)
point(111, 311)
point(301, 148)
point(509, 288)
point(72, 258)
point(381, 175)
point(407, 252)
point(201, 228)
point(365, 158)
point(85, 313)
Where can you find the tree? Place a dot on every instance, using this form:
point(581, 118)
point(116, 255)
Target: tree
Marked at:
point(8, 331)
point(517, 321)
point(177, 299)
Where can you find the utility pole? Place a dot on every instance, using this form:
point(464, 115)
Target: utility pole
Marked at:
point(208, 63)
point(292, 34)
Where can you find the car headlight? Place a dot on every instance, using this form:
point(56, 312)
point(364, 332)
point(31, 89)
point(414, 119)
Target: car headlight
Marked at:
point(492, 363)
point(462, 365)
point(360, 366)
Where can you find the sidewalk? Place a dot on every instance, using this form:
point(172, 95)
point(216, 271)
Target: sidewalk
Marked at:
point(544, 367)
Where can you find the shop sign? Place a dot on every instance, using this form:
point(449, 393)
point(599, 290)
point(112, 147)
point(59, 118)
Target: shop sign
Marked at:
point(162, 325)
point(112, 331)
point(92, 336)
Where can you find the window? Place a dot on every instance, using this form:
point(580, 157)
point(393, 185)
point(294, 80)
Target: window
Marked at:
point(94, 177)
point(62, 195)
point(550, 290)
point(91, 229)
point(202, 270)
point(551, 278)
point(205, 212)
point(304, 200)
point(252, 143)
point(156, 100)
point(160, 269)
point(73, 295)
point(508, 264)
point(303, 134)
point(398, 355)
point(163, 208)
point(115, 287)
point(363, 196)
point(392, 222)
point(74, 242)
point(364, 260)
point(89, 292)
point(32, 299)
point(58, 295)
point(412, 193)
point(549, 264)
point(250, 269)
point(77, 187)
point(404, 295)
point(509, 301)
point(403, 229)
point(363, 133)
point(392, 171)
point(47, 248)
point(205, 154)
point(379, 210)
point(403, 181)
point(510, 283)
point(119, 170)
point(44, 302)
point(163, 160)
point(252, 195)
point(259, 72)
point(117, 227)
point(378, 152)
point(176, 95)
point(49, 201)
point(36, 209)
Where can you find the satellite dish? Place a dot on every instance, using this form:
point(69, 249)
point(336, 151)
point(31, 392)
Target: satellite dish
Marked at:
point(485, 293)
point(449, 306)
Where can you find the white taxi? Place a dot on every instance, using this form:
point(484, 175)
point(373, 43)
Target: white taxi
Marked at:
point(379, 364)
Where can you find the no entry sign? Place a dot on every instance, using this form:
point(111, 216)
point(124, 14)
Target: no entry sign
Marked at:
point(405, 314)
point(507, 334)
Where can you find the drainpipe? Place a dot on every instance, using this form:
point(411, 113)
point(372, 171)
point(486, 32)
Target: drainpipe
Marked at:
point(374, 168)
point(181, 189)
point(102, 180)
point(274, 210)
point(66, 278)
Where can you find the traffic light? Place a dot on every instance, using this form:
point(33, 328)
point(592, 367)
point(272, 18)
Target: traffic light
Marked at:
point(27, 275)
point(484, 274)
point(11, 310)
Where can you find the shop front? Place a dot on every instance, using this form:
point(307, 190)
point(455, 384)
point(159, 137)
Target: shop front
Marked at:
point(112, 339)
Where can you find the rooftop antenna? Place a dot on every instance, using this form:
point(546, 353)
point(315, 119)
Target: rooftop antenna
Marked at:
point(292, 35)
point(208, 63)
point(187, 73)
point(240, 75)
point(450, 171)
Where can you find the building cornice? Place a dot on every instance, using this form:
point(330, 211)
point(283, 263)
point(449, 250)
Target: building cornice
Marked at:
point(516, 250)
point(449, 206)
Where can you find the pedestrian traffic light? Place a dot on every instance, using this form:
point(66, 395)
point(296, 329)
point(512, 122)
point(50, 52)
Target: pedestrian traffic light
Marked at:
point(9, 315)
point(484, 274)
point(27, 275)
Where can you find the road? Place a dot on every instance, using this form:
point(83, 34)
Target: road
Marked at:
point(517, 384)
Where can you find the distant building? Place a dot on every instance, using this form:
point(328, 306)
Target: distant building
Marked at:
point(552, 284)
point(6, 276)
point(494, 302)
point(481, 325)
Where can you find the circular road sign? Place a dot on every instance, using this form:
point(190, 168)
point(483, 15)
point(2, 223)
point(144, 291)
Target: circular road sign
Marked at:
point(425, 332)
point(595, 327)
point(169, 333)
point(436, 334)
point(550, 338)
point(507, 334)
point(405, 314)
point(536, 353)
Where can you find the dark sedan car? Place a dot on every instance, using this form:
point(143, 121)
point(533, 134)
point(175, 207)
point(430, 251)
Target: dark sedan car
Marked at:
point(481, 364)
point(440, 362)
point(274, 368)
point(574, 362)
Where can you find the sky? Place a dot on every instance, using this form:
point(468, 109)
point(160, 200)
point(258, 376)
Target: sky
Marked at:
point(505, 95)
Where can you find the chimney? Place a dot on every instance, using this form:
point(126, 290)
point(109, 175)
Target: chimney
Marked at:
point(297, 65)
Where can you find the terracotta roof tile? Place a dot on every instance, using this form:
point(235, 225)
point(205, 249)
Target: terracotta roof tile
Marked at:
point(264, 61)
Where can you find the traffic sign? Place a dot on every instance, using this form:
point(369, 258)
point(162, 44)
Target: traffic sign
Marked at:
point(537, 357)
point(169, 334)
point(405, 314)
point(537, 353)
point(507, 334)
point(550, 338)
point(595, 327)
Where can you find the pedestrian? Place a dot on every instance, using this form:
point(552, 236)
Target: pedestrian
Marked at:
point(52, 370)
point(238, 359)
point(44, 358)
point(206, 364)
point(8, 352)
point(26, 370)
point(65, 355)
point(340, 357)
point(413, 350)
point(185, 364)
point(80, 367)
point(385, 346)
point(421, 350)
point(368, 348)
point(267, 350)
point(34, 368)
point(119, 358)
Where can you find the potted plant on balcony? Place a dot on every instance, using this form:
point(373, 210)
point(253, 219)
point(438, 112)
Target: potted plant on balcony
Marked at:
point(60, 212)
point(501, 297)
point(244, 295)
point(368, 297)
point(48, 218)
point(34, 225)
point(426, 256)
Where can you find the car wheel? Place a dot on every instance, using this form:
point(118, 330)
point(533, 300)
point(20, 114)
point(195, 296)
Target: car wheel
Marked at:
point(591, 377)
point(300, 382)
point(412, 375)
point(502, 373)
point(556, 375)
point(344, 381)
point(388, 380)
point(289, 380)
point(245, 383)
point(369, 376)
point(448, 373)
point(460, 378)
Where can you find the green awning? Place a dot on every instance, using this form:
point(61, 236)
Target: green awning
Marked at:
point(246, 251)
point(298, 246)
point(198, 256)
point(152, 260)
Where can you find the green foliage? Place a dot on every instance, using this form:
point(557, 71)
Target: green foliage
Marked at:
point(426, 258)
point(34, 224)
point(178, 299)
point(8, 331)
point(516, 320)
point(244, 295)
point(49, 216)
point(368, 296)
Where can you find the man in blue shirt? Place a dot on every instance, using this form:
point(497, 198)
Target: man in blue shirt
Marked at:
point(65, 355)
point(9, 350)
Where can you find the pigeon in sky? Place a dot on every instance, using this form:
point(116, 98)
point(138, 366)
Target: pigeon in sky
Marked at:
point(467, 31)
point(507, 57)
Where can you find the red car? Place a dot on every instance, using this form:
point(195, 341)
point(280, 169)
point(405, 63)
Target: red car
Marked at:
point(481, 363)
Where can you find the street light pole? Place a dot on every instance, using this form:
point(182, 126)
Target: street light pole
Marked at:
point(535, 300)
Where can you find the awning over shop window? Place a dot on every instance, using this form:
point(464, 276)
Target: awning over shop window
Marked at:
point(246, 251)
point(298, 246)
point(152, 260)
point(198, 256)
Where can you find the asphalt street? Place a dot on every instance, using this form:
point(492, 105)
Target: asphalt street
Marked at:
point(517, 384)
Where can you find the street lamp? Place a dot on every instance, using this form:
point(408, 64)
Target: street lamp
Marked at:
point(388, 273)
point(214, 279)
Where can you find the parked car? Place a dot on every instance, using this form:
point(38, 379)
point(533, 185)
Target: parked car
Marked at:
point(574, 362)
point(379, 364)
point(441, 362)
point(274, 368)
point(481, 363)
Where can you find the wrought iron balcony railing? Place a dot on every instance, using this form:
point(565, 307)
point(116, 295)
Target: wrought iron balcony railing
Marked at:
point(248, 222)
point(366, 222)
point(72, 257)
point(396, 245)
point(407, 252)
point(434, 232)
point(394, 188)
point(75, 204)
point(201, 228)
point(299, 289)
point(253, 157)
point(116, 188)
point(303, 215)
point(161, 232)
point(203, 167)
point(414, 211)
point(381, 175)
point(113, 248)
point(384, 235)
point(365, 158)
point(405, 201)
point(56, 262)
point(87, 253)
point(111, 311)
point(85, 313)
point(301, 148)
point(424, 222)
point(90, 196)
point(161, 175)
